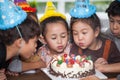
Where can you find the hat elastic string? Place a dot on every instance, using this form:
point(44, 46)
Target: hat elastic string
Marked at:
point(21, 37)
point(19, 32)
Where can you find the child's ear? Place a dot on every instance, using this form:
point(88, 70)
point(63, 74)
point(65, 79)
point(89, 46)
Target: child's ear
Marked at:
point(19, 42)
point(97, 31)
point(42, 39)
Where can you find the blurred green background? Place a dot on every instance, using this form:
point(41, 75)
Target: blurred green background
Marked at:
point(40, 5)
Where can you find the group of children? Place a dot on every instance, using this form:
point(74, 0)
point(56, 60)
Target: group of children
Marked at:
point(83, 37)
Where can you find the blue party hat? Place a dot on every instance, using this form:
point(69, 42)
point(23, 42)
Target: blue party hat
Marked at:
point(82, 9)
point(118, 0)
point(10, 15)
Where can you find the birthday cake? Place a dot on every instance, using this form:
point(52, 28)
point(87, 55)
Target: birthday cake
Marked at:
point(72, 66)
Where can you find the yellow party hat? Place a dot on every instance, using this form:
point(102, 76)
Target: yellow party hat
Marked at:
point(51, 11)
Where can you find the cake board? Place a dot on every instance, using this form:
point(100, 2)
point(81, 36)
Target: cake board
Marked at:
point(46, 71)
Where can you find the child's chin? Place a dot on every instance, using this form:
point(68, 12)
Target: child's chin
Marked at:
point(60, 51)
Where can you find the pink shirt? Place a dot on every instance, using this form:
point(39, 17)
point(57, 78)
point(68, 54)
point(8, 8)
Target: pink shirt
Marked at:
point(45, 53)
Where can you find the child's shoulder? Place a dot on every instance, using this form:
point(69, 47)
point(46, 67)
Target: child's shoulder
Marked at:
point(43, 50)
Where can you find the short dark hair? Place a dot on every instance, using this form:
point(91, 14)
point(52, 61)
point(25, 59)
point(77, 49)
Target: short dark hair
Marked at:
point(114, 8)
point(53, 19)
point(28, 28)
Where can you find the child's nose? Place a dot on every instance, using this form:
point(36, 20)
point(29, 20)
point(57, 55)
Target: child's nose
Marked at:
point(79, 37)
point(115, 25)
point(59, 40)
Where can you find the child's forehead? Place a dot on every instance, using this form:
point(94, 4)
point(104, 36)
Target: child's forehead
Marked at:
point(115, 17)
point(82, 25)
point(80, 22)
point(55, 25)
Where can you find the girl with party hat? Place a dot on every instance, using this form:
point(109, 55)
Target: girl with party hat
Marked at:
point(18, 34)
point(54, 34)
point(87, 40)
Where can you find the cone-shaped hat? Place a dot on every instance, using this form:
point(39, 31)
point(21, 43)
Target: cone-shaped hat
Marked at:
point(82, 9)
point(51, 11)
point(24, 5)
point(10, 15)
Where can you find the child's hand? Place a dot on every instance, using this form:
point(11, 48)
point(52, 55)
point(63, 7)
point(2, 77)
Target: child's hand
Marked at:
point(12, 73)
point(101, 61)
point(33, 58)
point(100, 64)
point(42, 64)
point(2, 74)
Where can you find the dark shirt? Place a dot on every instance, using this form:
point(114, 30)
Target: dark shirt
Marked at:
point(113, 57)
point(3, 63)
point(114, 54)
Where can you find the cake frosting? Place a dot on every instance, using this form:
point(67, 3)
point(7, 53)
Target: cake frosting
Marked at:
point(72, 66)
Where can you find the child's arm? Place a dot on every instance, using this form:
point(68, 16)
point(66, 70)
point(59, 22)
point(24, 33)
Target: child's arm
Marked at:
point(18, 65)
point(101, 61)
point(33, 65)
point(108, 67)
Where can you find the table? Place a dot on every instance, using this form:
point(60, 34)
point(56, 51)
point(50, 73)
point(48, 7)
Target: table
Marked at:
point(39, 75)
point(34, 76)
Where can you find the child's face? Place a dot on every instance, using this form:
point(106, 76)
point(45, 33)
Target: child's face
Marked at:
point(115, 25)
point(56, 37)
point(83, 35)
point(29, 48)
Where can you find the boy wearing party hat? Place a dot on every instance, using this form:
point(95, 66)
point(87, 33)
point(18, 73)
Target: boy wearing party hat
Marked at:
point(32, 12)
point(85, 29)
point(18, 34)
point(12, 69)
point(54, 34)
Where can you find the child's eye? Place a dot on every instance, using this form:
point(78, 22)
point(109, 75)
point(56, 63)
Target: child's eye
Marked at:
point(84, 32)
point(118, 22)
point(63, 36)
point(53, 38)
point(75, 33)
point(111, 21)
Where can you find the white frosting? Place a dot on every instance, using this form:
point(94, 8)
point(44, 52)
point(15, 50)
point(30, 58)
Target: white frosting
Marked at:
point(62, 68)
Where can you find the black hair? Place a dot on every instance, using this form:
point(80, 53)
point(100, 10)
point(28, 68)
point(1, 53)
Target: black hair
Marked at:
point(114, 8)
point(53, 19)
point(28, 28)
point(93, 21)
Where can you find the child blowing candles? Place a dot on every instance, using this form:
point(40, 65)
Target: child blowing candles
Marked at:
point(18, 34)
point(54, 34)
point(85, 29)
point(18, 64)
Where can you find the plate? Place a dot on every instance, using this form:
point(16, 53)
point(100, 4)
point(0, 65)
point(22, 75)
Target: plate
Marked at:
point(46, 71)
